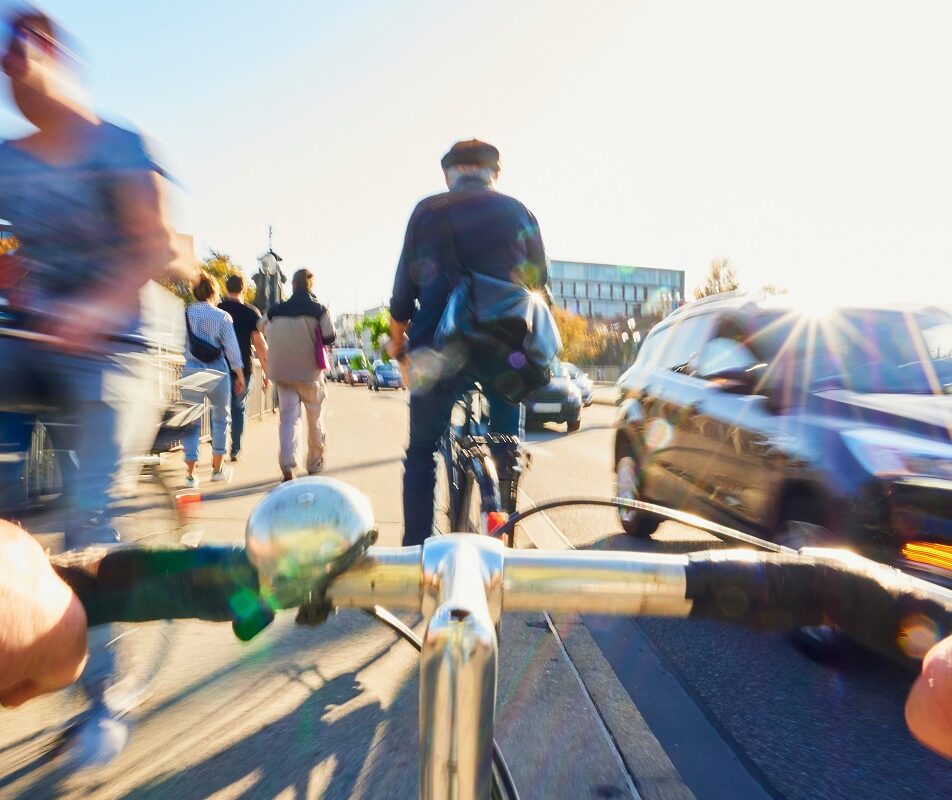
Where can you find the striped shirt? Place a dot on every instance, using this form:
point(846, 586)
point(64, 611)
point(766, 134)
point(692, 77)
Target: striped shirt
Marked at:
point(215, 327)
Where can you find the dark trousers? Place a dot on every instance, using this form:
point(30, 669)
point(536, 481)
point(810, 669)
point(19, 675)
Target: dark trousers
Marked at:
point(429, 419)
point(238, 403)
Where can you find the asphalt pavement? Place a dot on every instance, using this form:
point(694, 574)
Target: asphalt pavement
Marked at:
point(596, 707)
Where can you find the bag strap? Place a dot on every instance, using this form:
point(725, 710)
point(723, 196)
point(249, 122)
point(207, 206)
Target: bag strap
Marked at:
point(448, 254)
point(193, 335)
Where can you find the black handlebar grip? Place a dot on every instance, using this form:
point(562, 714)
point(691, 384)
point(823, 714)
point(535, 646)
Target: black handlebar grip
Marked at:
point(874, 604)
point(137, 585)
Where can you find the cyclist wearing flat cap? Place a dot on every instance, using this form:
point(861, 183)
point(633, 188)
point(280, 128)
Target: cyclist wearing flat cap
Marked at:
point(492, 234)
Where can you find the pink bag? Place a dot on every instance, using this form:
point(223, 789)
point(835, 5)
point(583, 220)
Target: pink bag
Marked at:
point(319, 354)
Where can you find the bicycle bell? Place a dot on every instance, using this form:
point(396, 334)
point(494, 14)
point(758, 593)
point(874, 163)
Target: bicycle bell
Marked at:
point(301, 534)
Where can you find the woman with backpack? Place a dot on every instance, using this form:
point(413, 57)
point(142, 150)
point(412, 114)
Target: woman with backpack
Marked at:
point(210, 346)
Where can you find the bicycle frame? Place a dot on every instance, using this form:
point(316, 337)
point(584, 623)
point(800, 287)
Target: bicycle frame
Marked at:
point(465, 454)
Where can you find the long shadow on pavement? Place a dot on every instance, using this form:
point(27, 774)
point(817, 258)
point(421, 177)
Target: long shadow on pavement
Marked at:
point(54, 777)
point(283, 755)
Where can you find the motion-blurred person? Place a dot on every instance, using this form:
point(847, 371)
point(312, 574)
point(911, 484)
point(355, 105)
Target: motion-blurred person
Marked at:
point(211, 347)
point(491, 234)
point(296, 329)
point(245, 318)
point(84, 198)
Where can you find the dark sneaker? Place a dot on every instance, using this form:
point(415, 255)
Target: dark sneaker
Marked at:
point(286, 475)
point(234, 456)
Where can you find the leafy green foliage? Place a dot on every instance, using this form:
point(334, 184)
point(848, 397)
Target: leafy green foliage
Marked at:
point(379, 326)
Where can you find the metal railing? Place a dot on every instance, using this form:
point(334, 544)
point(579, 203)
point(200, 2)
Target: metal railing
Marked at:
point(260, 401)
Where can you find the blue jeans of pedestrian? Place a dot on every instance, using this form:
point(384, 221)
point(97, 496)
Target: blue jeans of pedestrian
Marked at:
point(219, 402)
point(429, 419)
point(99, 410)
point(238, 403)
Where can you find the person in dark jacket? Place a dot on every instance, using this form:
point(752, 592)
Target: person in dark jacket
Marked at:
point(495, 235)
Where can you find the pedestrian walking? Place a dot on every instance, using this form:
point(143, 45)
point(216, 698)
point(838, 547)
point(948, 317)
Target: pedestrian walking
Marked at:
point(245, 318)
point(211, 347)
point(297, 330)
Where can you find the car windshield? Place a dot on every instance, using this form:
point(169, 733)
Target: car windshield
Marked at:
point(869, 351)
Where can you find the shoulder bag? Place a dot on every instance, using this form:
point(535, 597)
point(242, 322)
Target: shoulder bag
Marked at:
point(203, 350)
point(507, 331)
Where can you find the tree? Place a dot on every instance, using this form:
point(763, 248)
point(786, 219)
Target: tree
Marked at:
point(721, 278)
point(580, 344)
point(219, 266)
point(379, 326)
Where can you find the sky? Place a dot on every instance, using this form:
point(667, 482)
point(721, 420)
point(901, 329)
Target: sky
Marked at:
point(808, 142)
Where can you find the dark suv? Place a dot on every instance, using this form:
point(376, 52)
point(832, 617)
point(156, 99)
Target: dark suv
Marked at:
point(807, 429)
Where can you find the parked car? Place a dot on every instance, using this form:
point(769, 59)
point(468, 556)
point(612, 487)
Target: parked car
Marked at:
point(584, 384)
point(805, 429)
point(349, 365)
point(558, 401)
point(385, 375)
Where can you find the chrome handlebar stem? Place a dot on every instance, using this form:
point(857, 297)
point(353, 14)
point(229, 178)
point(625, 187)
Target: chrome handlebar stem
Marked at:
point(462, 583)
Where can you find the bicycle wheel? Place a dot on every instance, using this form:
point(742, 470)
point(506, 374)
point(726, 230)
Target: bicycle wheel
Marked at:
point(125, 659)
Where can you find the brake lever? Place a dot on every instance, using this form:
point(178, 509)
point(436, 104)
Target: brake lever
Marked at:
point(317, 609)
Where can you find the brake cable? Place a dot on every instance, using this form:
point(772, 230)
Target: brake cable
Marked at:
point(663, 512)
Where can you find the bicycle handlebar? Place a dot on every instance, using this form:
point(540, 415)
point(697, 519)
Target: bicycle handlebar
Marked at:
point(873, 603)
point(218, 584)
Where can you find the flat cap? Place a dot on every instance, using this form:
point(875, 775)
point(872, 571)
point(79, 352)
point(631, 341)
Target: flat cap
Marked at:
point(472, 152)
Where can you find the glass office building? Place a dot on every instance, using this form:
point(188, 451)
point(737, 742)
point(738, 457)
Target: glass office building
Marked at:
point(611, 292)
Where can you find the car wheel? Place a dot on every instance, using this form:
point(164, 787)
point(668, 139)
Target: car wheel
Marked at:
point(627, 487)
point(823, 643)
point(376, 387)
point(573, 424)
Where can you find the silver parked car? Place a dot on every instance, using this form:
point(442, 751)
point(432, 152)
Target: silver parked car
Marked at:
point(581, 380)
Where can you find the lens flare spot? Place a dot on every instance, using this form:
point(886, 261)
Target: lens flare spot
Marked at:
point(917, 635)
point(517, 360)
point(657, 433)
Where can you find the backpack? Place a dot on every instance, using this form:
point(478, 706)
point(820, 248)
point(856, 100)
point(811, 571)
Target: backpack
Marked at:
point(506, 330)
point(203, 350)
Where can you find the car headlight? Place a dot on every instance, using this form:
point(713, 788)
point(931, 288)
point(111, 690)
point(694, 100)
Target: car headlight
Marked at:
point(886, 453)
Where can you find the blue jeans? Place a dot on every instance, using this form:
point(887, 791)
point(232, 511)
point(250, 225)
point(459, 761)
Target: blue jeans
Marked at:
point(219, 401)
point(429, 419)
point(238, 402)
point(101, 409)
